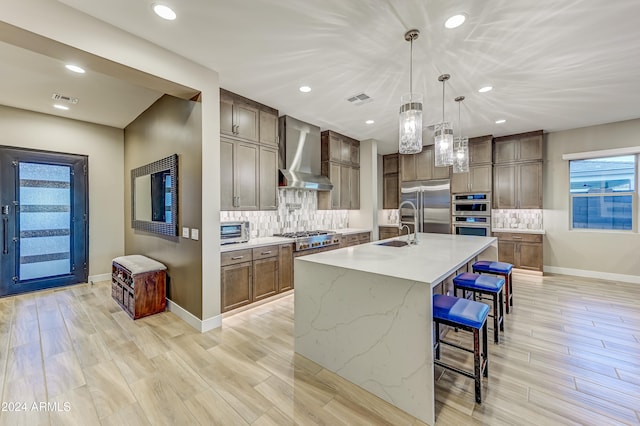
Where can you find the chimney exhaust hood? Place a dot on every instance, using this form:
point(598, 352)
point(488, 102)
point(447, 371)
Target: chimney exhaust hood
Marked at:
point(299, 156)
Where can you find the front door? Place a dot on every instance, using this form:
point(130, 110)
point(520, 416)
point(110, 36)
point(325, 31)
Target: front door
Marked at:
point(44, 213)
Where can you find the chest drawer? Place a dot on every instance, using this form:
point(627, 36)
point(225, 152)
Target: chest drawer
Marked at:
point(265, 252)
point(236, 256)
point(518, 237)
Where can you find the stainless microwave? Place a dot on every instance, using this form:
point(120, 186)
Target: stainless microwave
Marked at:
point(234, 232)
point(471, 205)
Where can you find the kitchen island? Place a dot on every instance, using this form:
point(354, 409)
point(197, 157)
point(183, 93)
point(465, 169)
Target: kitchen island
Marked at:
point(364, 313)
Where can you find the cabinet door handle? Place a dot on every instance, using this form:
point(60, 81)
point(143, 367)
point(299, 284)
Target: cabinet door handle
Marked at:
point(516, 237)
point(237, 257)
point(266, 252)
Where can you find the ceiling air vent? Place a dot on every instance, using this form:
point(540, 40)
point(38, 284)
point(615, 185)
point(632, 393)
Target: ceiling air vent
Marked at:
point(63, 98)
point(360, 98)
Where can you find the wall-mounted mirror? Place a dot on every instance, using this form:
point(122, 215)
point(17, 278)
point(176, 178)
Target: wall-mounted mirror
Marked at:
point(154, 197)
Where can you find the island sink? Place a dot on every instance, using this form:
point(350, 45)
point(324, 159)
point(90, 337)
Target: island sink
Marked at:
point(393, 243)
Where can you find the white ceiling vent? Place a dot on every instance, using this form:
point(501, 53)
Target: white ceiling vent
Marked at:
point(359, 99)
point(63, 98)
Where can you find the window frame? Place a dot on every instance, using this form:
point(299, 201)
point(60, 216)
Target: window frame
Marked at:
point(634, 195)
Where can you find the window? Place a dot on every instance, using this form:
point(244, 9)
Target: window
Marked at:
point(603, 191)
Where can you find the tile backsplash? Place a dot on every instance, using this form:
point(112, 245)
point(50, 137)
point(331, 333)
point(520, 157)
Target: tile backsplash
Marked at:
point(517, 219)
point(297, 211)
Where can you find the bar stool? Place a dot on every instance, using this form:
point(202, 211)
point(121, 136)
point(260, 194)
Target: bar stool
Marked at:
point(484, 284)
point(466, 315)
point(498, 268)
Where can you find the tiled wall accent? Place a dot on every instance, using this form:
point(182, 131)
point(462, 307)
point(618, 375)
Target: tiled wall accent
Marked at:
point(388, 217)
point(517, 219)
point(297, 211)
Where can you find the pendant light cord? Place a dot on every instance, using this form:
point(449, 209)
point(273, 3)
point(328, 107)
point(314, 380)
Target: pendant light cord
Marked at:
point(411, 71)
point(443, 81)
point(459, 121)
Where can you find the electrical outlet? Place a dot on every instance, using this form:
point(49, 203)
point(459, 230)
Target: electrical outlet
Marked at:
point(185, 232)
point(194, 234)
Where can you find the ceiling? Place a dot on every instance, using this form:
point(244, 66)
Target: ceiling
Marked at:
point(554, 65)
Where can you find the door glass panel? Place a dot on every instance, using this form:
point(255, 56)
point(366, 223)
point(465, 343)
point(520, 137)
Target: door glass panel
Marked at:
point(45, 220)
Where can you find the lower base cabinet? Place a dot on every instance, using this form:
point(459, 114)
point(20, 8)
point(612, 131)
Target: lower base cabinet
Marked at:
point(523, 251)
point(251, 275)
point(385, 232)
point(349, 240)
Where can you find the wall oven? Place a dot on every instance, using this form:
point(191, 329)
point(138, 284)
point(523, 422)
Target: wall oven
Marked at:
point(472, 225)
point(471, 205)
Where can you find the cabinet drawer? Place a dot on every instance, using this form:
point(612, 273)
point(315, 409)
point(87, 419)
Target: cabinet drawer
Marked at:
point(236, 256)
point(364, 237)
point(529, 238)
point(264, 252)
point(351, 238)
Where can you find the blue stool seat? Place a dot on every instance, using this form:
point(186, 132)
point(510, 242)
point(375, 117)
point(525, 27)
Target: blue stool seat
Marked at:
point(498, 268)
point(470, 316)
point(461, 311)
point(480, 282)
point(484, 284)
point(492, 267)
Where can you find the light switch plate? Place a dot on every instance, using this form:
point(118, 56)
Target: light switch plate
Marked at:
point(194, 234)
point(185, 232)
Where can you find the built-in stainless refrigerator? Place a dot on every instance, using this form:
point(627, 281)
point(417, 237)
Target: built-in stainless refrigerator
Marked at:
point(432, 199)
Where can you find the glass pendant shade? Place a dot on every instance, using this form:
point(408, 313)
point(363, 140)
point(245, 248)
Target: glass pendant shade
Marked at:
point(461, 155)
point(410, 137)
point(443, 137)
point(460, 145)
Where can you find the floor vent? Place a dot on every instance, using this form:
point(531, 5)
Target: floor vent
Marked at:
point(360, 98)
point(63, 98)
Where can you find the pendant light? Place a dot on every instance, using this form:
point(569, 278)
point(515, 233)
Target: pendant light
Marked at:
point(460, 146)
point(410, 125)
point(443, 135)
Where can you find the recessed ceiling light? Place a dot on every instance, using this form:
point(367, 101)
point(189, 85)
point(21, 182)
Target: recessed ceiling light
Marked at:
point(485, 89)
point(74, 68)
point(305, 89)
point(502, 120)
point(455, 21)
point(58, 106)
point(165, 12)
point(369, 122)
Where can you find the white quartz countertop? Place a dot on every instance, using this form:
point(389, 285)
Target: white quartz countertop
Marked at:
point(434, 258)
point(255, 242)
point(519, 231)
point(346, 231)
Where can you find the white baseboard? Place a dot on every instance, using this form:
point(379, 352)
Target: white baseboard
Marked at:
point(195, 322)
point(635, 279)
point(99, 277)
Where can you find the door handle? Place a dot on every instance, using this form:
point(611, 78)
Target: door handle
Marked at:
point(5, 236)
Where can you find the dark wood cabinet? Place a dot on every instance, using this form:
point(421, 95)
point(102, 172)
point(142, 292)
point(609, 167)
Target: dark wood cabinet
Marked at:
point(250, 275)
point(517, 186)
point(248, 154)
point(390, 182)
point(517, 171)
point(349, 240)
point(480, 175)
point(286, 267)
point(340, 162)
point(421, 166)
point(520, 147)
point(139, 294)
point(523, 251)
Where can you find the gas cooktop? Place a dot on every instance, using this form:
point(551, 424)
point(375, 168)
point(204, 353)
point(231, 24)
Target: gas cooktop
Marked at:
point(302, 234)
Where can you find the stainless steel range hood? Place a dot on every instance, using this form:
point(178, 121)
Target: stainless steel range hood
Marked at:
point(300, 156)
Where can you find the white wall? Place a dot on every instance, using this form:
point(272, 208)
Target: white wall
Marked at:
point(367, 216)
point(600, 254)
point(44, 17)
point(105, 148)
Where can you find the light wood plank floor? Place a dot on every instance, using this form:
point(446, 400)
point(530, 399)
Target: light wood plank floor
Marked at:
point(569, 355)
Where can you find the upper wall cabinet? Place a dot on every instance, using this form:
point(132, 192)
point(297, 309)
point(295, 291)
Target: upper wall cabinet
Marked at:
point(520, 147)
point(340, 157)
point(248, 154)
point(391, 184)
point(421, 166)
point(517, 171)
point(479, 176)
point(242, 118)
